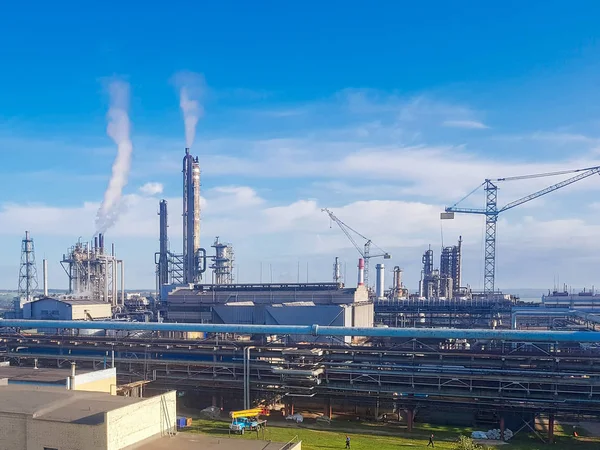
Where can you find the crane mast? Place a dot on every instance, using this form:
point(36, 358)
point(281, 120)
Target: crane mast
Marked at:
point(364, 252)
point(491, 212)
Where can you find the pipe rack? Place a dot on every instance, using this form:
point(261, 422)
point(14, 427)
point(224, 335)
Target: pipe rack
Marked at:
point(316, 330)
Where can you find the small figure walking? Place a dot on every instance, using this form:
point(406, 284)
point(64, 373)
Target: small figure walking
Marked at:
point(431, 441)
point(347, 441)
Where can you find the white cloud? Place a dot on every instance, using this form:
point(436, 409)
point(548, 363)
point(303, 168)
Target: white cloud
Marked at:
point(468, 124)
point(286, 232)
point(555, 137)
point(381, 163)
point(152, 188)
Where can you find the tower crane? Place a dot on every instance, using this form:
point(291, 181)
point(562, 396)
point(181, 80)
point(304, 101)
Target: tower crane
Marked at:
point(491, 211)
point(365, 252)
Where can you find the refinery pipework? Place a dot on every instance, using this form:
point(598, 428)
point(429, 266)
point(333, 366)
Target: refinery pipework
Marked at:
point(93, 273)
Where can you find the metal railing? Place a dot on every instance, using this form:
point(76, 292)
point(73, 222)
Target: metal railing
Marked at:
point(291, 443)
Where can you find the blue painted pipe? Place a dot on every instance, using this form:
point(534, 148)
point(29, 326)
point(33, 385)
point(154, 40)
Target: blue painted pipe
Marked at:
point(317, 330)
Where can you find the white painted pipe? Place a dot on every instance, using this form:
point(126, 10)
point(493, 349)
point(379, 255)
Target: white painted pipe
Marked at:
point(361, 272)
point(380, 284)
point(45, 270)
point(122, 282)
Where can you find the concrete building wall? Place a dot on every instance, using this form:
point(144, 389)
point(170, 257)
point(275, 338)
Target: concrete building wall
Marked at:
point(53, 309)
point(95, 310)
point(364, 315)
point(64, 436)
point(97, 381)
point(13, 432)
point(152, 418)
point(265, 294)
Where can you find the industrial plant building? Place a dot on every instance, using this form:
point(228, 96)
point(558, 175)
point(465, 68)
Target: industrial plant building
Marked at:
point(93, 272)
point(272, 304)
point(67, 309)
point(445, 282)
point(77, 380)
point(50, 418)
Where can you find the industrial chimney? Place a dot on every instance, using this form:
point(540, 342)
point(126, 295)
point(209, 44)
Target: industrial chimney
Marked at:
point(361, 272)
point(380, 286)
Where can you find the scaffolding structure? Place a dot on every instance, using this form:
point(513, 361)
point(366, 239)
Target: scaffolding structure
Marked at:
point(28, 282)
point(93, 273)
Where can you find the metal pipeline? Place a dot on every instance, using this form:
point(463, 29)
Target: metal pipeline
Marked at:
point(551, 312)
point(316, 330)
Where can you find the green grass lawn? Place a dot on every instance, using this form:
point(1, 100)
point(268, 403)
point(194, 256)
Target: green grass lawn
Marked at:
point(364, 437)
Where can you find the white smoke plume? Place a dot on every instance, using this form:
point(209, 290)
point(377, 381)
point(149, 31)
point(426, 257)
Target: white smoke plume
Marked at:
point(118, 129)
point(191, 90)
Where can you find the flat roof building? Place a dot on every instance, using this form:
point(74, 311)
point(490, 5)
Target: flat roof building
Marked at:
point(66, 309)
point(41, 418)
point(273, 304)
point(67, 378)
point(188, 441)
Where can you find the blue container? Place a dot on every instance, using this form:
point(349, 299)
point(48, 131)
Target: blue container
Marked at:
point(181, 422)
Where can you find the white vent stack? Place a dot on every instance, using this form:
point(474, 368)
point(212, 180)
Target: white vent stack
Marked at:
point(122, 283)
point(361, 272)
point(45, 270)
point(71, 379)
point(380, 284)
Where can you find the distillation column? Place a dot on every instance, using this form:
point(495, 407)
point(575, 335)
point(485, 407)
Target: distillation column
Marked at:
point(191, 218)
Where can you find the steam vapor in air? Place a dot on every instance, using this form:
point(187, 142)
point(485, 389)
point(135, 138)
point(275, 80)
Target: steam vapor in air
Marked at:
point(191, 89)
point(118, 129)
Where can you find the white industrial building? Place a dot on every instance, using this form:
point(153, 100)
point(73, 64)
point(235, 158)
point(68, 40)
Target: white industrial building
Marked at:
point(45, 418)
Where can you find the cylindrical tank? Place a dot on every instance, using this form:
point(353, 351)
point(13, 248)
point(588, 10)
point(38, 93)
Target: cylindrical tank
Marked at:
point(361, 272)
point(380, 284)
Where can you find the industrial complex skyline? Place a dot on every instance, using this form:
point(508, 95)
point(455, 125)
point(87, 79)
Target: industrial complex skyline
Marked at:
point(385, 146)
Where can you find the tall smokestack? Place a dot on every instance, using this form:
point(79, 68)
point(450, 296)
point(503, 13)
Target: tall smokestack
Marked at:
point(45, 270)
point(361, 272)
point(380, 284)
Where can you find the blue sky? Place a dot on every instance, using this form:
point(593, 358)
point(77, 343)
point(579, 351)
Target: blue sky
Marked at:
point(384, 113)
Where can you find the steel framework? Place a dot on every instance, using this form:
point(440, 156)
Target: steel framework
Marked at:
point(365, 252)
point(28, 282)
point(491, 212)
point(494, 375)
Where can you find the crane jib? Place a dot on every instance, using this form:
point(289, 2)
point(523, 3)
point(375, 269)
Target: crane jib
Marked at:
point(492, 211)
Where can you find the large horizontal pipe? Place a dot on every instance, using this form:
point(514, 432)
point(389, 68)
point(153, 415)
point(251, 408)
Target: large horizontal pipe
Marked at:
point(317, 330)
